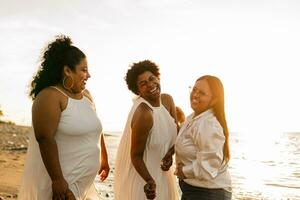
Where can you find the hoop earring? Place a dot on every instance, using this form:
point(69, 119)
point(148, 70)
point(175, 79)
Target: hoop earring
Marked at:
point(64, 83)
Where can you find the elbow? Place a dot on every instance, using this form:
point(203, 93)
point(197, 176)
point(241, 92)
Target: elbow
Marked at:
point(41, 139)
point(135, 158)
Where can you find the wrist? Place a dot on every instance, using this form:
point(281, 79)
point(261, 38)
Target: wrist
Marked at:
point(58, 178)
point(150, 180)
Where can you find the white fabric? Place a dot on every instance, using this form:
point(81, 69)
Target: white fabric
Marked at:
point(128, 183)
point(199, 146)
point(77, 139)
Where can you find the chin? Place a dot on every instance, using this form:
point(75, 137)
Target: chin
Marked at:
point(193, 108)
point(158, 94)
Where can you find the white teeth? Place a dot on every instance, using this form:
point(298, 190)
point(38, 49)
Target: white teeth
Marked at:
point(153, 90)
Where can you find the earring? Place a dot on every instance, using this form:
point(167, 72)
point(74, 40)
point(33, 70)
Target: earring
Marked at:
point(64, 82)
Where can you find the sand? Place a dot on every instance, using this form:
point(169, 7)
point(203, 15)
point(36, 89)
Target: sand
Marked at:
point(13, 145)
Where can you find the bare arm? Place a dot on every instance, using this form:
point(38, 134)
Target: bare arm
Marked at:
point(103, 149)
point(104, 166)
point(168, 102)
point(141, 125)
point(46, 112)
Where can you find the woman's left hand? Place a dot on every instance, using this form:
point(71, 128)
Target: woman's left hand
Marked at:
point(179, 173)
point(167, 160)
point(103, 171)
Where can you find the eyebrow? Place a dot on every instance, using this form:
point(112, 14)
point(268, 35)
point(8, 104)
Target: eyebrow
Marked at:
point(146, 80)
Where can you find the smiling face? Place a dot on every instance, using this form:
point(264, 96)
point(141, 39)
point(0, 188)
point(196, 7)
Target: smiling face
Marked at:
point(201, 97)
point(149, 87)
point(80, 75)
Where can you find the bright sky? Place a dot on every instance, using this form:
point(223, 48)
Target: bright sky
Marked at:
point(252, 46)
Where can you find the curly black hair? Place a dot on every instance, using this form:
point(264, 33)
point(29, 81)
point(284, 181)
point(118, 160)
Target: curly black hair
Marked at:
point(56, 55)
point(137, 69)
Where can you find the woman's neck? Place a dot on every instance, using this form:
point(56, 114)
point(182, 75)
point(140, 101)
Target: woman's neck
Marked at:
point(153, 102)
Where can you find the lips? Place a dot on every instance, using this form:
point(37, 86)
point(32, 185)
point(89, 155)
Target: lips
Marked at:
point(195, 101)
point(154, 90)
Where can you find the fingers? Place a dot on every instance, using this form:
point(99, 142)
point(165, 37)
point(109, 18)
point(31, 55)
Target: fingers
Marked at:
point(178, 172)
point(66, 196)
point(59, 197)
point(62, 197)
point(166, 164)
point(151, 195)
point(103, 174)
point(59, 189)
point(150, 189)
point(70, 195)
point(165, 167)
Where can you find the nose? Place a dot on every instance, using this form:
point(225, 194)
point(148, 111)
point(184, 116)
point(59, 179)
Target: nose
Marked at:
point(195, 94)
point(151, 85)
point(88, 75)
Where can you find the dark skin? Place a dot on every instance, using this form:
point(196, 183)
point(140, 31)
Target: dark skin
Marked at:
point(104, 166)
point(168, 102)
point(141, 125)
point(46, 112)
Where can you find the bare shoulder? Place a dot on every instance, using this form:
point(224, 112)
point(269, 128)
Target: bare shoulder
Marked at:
point(142, 120)
point(166, 97)
point(48, 96)
point(167, 101)
point(46, 111)
point(142, 113)
point(87, 93)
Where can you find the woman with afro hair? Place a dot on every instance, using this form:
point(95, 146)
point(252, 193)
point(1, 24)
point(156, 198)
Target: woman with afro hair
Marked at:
point(145, 152)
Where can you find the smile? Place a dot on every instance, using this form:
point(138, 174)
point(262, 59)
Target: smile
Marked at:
point(154, 90)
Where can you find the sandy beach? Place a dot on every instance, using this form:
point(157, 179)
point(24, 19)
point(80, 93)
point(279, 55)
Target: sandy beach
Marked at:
point(13, 146)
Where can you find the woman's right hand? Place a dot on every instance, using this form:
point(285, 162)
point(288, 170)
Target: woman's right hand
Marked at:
point(150, 189)
point(61, 191)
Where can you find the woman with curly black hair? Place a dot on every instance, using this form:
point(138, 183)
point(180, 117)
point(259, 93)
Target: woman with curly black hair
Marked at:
point(145, 152)
point(63, 154)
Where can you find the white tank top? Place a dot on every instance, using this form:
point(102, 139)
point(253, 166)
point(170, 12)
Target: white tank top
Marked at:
point(78, 145)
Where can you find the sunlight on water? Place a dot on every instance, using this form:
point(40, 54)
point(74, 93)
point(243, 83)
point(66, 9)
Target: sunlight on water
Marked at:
point(266, 167)
point(263, 166)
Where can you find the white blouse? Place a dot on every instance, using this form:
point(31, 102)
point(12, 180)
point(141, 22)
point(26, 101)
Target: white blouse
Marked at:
point(199, 146)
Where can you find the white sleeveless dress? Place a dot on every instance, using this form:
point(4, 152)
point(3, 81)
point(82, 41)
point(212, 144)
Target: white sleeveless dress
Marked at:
point(128, 184)
point(77, 139)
